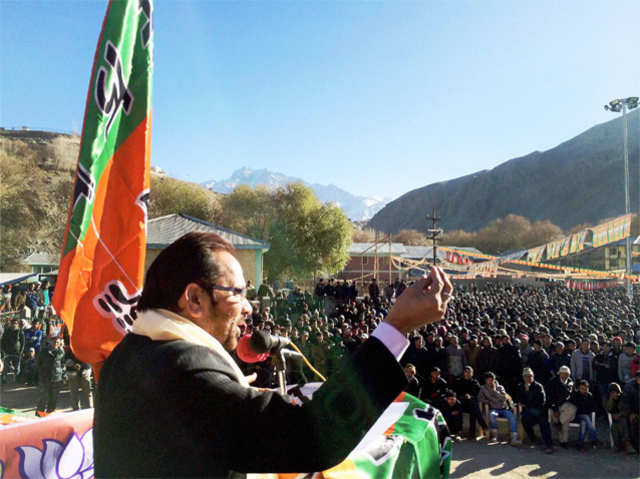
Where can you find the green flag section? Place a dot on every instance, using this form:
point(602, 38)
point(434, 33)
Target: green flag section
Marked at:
point(102, 262)
point(410, 440)
point(416, 446)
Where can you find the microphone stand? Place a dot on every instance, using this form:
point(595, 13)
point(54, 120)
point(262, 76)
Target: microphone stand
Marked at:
point(281, 369)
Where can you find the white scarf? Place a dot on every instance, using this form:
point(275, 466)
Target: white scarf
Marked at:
point(163, 325)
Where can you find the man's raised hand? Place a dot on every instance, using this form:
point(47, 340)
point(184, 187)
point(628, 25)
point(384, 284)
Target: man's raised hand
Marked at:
point(422, 303)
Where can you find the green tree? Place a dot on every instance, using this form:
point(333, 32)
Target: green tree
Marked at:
point(170, 196)
point(305, 236)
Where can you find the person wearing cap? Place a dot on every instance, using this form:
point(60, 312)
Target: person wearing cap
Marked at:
point(532, 399)
point(619, 420)
point(558, 391)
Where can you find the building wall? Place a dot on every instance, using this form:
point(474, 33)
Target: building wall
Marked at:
point(355, 268)
point(246, 257)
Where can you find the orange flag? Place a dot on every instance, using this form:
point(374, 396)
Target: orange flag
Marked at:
point(102, 262)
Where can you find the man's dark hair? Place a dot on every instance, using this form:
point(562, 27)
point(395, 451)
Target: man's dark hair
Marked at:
point(187, 260)
point(583, 382)
point(489, 374)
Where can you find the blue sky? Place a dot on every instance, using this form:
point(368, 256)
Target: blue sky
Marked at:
point(378, 98)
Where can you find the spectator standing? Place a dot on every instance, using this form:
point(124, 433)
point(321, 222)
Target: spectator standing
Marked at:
point(619, 417)
point(631, 401)
point(486, 357)
point(374, 292)
point(605, 365)
point(624, 362)
point(471, 351)
point(538, 361)
point(79, 374)
point(456, 360)
point(12, 345)
point(582, 362)
point(508, 363)
point(50, 376)
point(525, 348)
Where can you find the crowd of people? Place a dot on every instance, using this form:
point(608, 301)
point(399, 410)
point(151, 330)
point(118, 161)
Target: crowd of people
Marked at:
point(540, 354)
point(34, 348)
point(535, 354)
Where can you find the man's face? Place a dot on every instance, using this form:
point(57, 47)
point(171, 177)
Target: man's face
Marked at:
point(584, 347)
point(583, 388)
point(227, 315)
point(451, 401)
point(563, 375)
point(528, 378)
point(435, 375)
point(468, 374)
point(409, 372)
point(14, 325)
point(489, 381)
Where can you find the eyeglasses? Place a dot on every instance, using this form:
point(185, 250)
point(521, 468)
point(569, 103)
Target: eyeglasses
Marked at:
point(242, 292)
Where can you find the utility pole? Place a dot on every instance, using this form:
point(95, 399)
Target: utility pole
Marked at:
point(434, 232)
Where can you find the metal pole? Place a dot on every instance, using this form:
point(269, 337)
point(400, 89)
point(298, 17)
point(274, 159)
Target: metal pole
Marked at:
point(627, 201)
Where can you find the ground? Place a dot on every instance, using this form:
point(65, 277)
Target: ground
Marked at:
point(477, 460)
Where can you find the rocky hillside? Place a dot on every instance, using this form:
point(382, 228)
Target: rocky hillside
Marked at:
point(579, 181)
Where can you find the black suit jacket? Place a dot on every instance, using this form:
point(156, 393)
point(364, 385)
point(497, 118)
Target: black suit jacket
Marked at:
point(173, 409)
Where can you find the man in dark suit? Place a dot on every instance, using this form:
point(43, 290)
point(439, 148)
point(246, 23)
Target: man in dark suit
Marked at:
point(171, 401)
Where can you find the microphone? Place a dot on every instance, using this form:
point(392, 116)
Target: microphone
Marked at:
point(262, 342)
point(246, 353)
point(257, 347)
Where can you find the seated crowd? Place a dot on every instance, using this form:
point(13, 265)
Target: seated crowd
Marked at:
point(544, 355)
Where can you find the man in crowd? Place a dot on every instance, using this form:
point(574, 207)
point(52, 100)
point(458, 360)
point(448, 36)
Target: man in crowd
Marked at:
point(190, 314)
point(434, 387)
point(50, 376)
point(619, 420)
point(538, 361)
point(413, 384)
point(559, 390)
point(12, 345)
point(624, 362)
point(532, 399)
point(585, 405)
point(582, 362)
point(79, 375)
point(452, 411)
point(467, 389)
point(495, 397)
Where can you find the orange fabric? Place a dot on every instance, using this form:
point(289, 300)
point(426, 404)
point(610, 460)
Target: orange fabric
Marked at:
point(120, 225)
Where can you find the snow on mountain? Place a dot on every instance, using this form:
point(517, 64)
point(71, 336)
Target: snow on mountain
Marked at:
point(357, 208)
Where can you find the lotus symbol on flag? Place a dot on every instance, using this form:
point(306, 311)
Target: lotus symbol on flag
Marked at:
point(73, 460)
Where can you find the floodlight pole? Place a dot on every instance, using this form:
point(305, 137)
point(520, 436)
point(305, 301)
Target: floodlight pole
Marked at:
point(617, 105)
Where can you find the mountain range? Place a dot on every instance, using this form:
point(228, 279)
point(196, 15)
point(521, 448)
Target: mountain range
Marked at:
point(357, 208)
point(579, 181)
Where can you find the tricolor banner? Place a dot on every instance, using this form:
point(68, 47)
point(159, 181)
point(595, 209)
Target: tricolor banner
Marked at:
point(102, 262)
point(409, 440)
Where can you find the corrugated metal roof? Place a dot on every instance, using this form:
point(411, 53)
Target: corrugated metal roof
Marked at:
point(42, 259)
point(164, 230)
point(10, 278)
point(397, 249)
